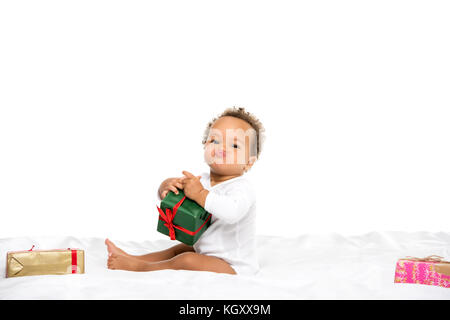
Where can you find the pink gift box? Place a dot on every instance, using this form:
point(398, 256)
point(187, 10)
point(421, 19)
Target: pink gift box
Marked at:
point(431, 270)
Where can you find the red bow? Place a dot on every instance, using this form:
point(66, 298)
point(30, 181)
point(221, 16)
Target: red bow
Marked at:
point(168, 218)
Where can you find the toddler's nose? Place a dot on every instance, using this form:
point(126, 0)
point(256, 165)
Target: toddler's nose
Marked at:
point(221, 153)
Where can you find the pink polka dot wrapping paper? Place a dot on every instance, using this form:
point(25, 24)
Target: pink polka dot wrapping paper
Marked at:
point(418, 271)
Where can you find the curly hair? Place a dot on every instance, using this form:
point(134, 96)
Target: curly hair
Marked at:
point(252, 120)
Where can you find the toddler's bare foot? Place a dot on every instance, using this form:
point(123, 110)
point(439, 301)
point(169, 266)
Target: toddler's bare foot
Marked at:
point(124, 262)
point(113, 249)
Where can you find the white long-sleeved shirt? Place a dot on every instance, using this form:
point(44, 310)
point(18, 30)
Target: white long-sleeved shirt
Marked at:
point(231, 235)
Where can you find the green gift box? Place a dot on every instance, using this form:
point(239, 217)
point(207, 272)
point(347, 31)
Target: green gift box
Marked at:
point(181, 218)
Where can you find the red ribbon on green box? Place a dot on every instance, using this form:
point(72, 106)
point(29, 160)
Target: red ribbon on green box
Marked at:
point(170, 215)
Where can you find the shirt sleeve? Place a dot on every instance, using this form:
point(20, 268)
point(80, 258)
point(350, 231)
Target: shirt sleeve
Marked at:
point(232, 206)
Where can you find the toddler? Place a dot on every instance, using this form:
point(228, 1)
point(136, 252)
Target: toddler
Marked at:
point(232, 143)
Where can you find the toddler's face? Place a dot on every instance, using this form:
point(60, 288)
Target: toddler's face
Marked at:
point(228, 149)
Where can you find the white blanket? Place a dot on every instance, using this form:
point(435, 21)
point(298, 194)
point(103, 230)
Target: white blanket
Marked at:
point(305, 267)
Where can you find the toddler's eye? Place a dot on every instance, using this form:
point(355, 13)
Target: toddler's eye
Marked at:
point(235, 146)
point(214, 141)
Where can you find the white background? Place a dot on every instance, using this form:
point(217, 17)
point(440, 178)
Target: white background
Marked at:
point(102, 100)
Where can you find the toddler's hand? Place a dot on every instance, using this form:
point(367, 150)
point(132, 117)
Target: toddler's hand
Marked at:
point(170, 184)
point(191, 185)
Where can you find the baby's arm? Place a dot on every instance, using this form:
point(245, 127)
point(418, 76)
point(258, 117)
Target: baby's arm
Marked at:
point(170, 184)
point(230, 207)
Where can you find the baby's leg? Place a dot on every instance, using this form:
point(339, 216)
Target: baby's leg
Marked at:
point(183, 261)
point(166, 254)
point(151, 257)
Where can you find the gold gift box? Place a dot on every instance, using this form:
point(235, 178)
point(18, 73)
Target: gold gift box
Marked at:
point(43, 262)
